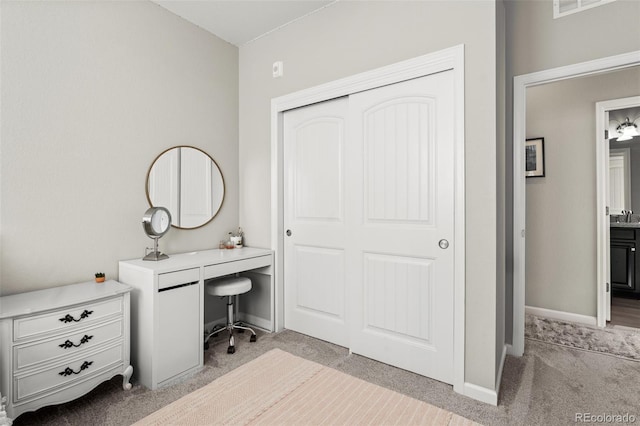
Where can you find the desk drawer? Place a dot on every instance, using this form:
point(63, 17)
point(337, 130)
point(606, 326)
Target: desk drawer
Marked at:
point(29, 385)
point(67, 345)
point(171, 279)
point(222, 269)
point(70, 318)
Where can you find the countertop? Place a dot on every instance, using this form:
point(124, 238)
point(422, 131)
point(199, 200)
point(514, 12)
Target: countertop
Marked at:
point(624, 224)
point(198, 258)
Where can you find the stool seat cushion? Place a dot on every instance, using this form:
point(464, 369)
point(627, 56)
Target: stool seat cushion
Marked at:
point(228, 286)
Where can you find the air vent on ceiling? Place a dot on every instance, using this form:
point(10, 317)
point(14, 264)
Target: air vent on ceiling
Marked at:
point(567, 7)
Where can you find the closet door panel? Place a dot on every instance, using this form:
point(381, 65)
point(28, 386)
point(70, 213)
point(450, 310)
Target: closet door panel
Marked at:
point(400, 298)
point(315, 168)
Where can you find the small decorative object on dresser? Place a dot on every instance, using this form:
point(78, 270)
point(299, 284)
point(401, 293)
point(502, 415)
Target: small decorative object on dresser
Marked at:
point(99, 277)
point(58, 344)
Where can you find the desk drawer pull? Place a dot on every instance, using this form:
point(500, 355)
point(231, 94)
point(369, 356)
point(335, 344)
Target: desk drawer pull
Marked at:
point(178, 286)
point(69, 344)
point(68, 371)
point(68, 318)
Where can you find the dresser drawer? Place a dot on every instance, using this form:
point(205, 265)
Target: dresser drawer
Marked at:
point(32, 384)
point(66, 319)
point(67, 345)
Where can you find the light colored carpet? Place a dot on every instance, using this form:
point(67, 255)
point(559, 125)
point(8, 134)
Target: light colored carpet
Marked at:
point(620, 342)
point(547, 386)
point(278, 388)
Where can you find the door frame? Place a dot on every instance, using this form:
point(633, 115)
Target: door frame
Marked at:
point(602, 189)
point(520, 85)
point(443, 60)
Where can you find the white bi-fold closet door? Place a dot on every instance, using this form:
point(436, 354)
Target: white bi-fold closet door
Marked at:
point(369, 214)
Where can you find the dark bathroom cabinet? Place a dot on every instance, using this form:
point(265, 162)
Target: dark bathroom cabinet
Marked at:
point(625, 270)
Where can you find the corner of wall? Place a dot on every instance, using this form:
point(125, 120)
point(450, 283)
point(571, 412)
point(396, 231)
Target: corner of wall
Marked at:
point(483, 394)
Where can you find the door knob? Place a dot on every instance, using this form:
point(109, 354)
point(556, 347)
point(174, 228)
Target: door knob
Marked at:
point(443, 244)
point(288, 232)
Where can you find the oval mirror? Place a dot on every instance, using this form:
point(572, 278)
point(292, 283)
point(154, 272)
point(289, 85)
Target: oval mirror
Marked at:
point(188, 182)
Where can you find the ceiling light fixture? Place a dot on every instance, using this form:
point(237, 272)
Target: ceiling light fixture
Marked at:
point(627, 130)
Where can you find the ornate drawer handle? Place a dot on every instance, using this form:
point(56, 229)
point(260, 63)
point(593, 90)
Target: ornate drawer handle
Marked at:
point(68, 318)
point(68, 371)
point(69, 344)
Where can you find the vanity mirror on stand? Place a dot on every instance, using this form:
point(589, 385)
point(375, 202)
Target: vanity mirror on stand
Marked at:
point(156, 222)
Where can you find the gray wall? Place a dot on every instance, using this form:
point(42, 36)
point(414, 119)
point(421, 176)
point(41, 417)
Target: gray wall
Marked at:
point(561, 207)
point(91, 93)
point(351, 37)
point(535, 42)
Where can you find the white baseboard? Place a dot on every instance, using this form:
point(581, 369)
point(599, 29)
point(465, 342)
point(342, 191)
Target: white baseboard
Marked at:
point(254, 320)
point(209, 325)
point(505, 350)
point(561, 315)
point(511, 351)
point(480, 393)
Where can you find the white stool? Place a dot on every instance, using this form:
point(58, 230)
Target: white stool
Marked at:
point(229, 287)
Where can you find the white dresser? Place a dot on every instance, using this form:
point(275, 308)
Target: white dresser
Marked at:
point(58, 344)
point(167, 307)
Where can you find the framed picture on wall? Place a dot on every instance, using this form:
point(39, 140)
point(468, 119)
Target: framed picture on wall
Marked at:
point(534, 157)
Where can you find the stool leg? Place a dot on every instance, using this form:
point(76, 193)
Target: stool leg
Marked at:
point(214, 332)
point(242, 328)
point(235, 314)
point(232, 346)
point(230, 305)
point(230, 314)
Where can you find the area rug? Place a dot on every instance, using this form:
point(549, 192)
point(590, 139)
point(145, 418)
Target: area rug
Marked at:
point(278, 388)
point(620, 342)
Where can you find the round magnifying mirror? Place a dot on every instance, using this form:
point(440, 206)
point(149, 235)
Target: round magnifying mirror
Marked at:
point(189, 183)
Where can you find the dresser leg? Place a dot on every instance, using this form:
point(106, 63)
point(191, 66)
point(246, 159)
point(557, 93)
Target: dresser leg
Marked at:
point(126, 376)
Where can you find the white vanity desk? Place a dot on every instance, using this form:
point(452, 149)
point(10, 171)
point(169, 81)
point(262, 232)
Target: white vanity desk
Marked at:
point(167, 307)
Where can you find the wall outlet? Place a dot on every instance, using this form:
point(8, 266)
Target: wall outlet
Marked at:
point(277, 69)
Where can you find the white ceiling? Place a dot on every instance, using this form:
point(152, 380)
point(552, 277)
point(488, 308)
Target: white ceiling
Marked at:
point(241, 21)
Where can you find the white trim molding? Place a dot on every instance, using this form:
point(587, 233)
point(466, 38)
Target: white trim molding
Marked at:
point(520, 85)
point(489, 396)
point(560, 315)
point(480, 393)
point(602, 189)
point(505, 350)
point(443, 60)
